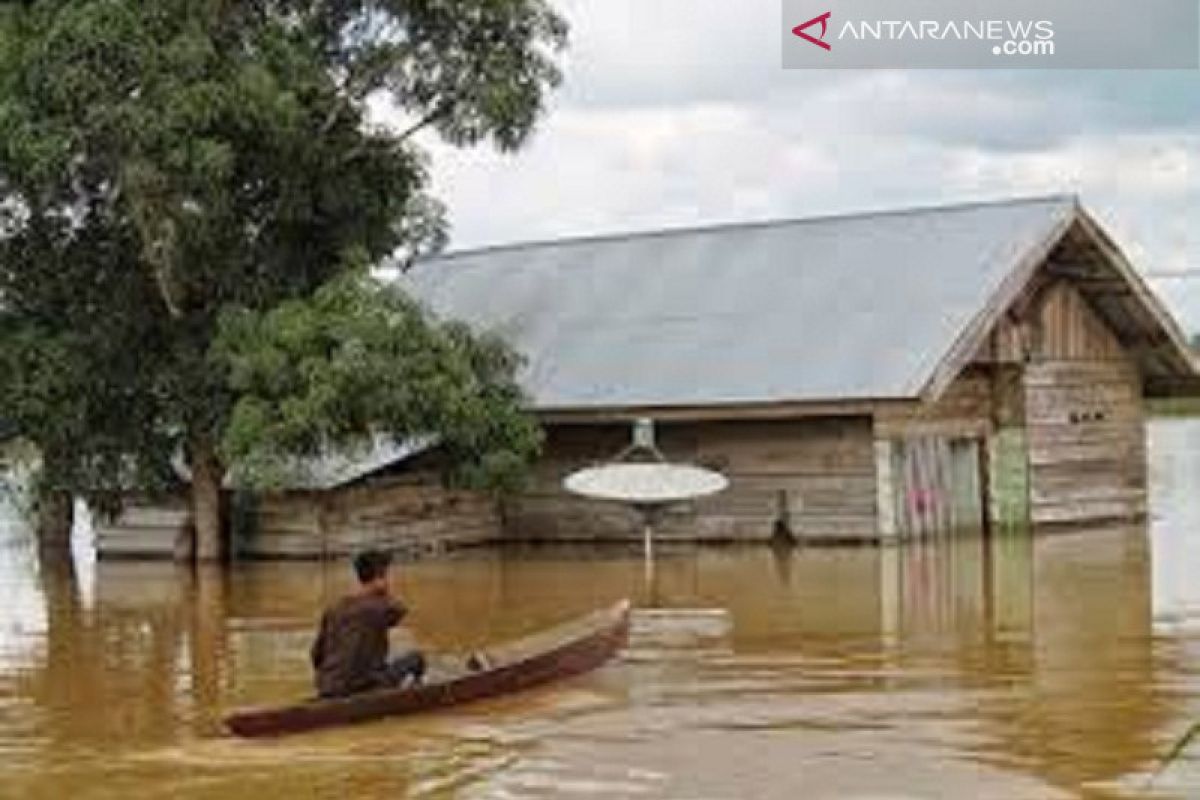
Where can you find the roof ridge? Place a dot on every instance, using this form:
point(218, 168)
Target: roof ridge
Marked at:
point(718, 227)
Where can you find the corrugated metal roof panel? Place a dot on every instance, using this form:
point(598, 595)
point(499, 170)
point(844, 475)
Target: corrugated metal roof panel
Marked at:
point(336, 468)
point(342, 467)
point(861, 306)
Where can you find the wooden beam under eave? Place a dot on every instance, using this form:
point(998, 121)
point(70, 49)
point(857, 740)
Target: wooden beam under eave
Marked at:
point(1147, 300)
point(1148, 345)
point(716, 413)
point(1171, 387)
point(1107, 287)
point(1075, 272)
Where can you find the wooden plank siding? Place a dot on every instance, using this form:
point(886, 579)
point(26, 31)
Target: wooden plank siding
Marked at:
point(813, 479)
point(1084, 416)
point(964, 410)
point(929, 459)
point(937, 486)
point(410, 514)
point(1008, 450)
point(1063, 418)
point(1045, 426)
point(145, 529)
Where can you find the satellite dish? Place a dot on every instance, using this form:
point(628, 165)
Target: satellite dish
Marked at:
point(647, 487)
point(646, 484)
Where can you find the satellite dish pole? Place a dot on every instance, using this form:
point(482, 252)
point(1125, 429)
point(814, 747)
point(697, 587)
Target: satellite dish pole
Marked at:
point(648, 485)
point(643, 441)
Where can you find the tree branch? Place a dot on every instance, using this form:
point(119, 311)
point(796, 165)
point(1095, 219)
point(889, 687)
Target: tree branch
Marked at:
point(426, 121)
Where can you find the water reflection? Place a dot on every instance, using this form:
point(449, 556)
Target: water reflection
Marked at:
point(1175, 529)
point(1015, 667)
point(23, 619)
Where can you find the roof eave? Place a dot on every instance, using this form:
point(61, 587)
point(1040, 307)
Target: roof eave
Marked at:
point(1176, 339)
point(968, 341)
point(772, 410)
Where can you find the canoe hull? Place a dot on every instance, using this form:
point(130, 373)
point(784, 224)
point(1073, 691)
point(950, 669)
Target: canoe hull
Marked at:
point(581, 653)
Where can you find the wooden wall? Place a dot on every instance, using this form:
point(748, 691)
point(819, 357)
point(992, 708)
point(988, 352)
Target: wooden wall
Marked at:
point(1085, 419)
point(1058, 400)
point(963, 410)
point(145, 530)
point(929, 459)
point(412, 513)
point(812, 479)
point(1008, 450)
point(1052, 406)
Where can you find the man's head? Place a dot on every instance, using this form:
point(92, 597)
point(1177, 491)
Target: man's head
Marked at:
point(371, 566)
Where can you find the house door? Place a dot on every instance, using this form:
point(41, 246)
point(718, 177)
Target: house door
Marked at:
point(938, 487)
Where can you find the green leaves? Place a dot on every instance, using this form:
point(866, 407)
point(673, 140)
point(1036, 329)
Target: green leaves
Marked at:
point(358, 360)
point(188, 194)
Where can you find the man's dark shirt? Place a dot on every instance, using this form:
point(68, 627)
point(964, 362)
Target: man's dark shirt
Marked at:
point(351, 650)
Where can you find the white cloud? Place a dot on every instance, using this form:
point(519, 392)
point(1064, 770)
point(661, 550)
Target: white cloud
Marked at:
point(677, 112)
point(1144, 187)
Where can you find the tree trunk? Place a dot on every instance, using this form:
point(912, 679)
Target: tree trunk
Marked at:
point(55, 508)
point(207, 512)
point(55, 519)
point(185, 543)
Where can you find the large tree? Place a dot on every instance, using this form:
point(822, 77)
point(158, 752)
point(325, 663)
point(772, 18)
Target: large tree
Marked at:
point(221, 152)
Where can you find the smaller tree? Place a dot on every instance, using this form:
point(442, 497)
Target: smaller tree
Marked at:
point(72, 381)
point(83, 429)
point(360, 359)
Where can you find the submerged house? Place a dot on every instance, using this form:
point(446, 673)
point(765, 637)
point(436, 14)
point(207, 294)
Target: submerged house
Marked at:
point(390, 496)
point(857, 378)
point(383, 495)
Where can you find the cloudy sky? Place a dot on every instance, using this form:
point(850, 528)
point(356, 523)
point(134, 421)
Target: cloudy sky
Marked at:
point(677, 112)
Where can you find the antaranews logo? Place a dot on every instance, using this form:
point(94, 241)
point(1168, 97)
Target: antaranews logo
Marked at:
point(982, 34)
point(1012, 37)
point(819, 41)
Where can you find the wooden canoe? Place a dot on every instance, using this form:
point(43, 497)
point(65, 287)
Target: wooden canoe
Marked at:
point(569, 649)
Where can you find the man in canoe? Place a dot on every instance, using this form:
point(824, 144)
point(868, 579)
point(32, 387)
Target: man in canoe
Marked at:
point(350, 654)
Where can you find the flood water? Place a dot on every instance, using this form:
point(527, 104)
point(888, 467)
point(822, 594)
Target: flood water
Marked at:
point(1055, 666)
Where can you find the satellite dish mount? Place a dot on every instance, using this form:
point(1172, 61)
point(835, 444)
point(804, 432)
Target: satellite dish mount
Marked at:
point(649, 487)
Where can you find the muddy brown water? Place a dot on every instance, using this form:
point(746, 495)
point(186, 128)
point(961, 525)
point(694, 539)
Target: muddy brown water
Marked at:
point(1021, 667)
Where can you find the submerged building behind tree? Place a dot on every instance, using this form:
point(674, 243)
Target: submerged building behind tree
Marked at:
point(864, 377)
point(857, 377)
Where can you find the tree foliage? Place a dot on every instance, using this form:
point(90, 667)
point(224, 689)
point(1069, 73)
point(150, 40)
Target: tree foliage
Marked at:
point(71, 381)
point(360, 357)
point(174, 169)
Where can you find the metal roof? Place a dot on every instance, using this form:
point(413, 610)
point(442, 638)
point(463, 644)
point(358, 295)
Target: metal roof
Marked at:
point(343, 467)
point(849, 307)
point(336, 468)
